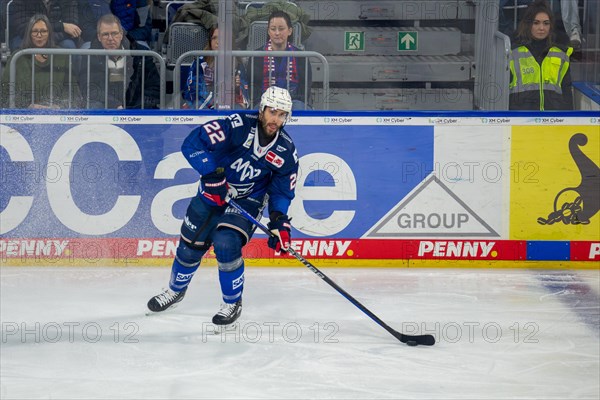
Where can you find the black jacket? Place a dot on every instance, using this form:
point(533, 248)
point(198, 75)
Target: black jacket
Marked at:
point(63, 11)
point(114, 96)
point(89, 12)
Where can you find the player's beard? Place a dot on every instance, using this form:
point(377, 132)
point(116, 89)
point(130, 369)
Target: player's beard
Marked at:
point(271, 127)
point(266, 133)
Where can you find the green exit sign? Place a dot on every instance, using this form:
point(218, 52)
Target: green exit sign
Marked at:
point(354, 41)
point(408, 41)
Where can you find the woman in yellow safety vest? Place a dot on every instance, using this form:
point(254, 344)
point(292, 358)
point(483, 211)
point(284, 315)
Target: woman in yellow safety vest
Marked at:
point(539, 68)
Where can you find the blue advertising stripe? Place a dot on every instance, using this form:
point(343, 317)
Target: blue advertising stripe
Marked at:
point(77, 174)
point(538, 250)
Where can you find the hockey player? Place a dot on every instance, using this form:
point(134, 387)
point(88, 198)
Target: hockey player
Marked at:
point(249, 157)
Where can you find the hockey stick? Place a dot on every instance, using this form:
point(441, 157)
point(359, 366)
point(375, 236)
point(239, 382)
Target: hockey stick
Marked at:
point(411, 340)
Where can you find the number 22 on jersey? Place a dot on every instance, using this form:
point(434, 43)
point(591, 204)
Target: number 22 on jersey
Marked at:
point(214, 131)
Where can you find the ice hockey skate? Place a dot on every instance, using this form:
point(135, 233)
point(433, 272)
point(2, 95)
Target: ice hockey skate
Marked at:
point(167, 299)
point(227, 315)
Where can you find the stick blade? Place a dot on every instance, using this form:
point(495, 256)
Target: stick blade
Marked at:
point(415, 340)
point(423, 340)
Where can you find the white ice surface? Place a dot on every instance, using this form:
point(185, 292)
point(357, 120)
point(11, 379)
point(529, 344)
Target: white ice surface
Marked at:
point(83, 333)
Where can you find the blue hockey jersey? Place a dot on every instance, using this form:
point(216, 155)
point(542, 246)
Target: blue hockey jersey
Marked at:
point(251, 170)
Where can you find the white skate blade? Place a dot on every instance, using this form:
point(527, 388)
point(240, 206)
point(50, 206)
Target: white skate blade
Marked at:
point(219, 329)
point(152, 313)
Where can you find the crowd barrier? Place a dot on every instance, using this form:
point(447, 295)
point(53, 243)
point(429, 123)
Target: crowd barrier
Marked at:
point(90, 56)
point(249, 56)
point(83, 57)
point(374, 189)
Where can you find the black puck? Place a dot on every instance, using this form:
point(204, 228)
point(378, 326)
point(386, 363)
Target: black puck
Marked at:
point(411, 343)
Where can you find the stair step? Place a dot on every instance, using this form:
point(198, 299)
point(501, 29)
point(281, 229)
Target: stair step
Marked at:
point(395, 99)
point(384, 40)
point(395, 69)
point(320, 10)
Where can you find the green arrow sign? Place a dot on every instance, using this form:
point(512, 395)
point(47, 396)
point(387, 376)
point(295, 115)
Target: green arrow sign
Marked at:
point(407, 41)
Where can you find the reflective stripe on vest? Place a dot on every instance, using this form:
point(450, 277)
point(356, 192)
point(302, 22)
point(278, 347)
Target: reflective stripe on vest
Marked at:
point(527, 73)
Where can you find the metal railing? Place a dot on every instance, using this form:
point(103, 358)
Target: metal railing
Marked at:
point(7, 36)
point(79, 53)
point(5, 45)
point(168, 6)
point(501, 73)
point(515, 6)
point(83, 53)
point(251, 54)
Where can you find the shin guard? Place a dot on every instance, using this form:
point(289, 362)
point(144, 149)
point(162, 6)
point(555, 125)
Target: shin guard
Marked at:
point(181, 276)
point(232, 281)
point(185, 264)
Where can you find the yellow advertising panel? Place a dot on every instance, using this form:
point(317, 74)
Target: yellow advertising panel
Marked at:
point(555, 183)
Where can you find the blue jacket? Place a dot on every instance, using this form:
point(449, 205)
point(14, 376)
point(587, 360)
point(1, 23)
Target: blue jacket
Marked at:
point(135, 17)
point(204, 79)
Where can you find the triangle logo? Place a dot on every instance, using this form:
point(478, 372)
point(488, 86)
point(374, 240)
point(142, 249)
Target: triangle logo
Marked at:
point(431, 210)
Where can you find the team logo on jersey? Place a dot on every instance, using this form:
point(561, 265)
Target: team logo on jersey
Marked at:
point(280, 148)
point(249, 140)
point(274, 159)
point(246, 170)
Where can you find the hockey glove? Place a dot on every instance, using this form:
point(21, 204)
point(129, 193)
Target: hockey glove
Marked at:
point(214, 187)
point(281, 227)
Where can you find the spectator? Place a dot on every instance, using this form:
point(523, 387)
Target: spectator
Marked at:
point(20, 12)
point(54, 81)
point(90, 12)
point(64, 16)
point(136, 20)
point(570, 17)
point(285, 72)
point(569, 14)
point(540, 77)
point(506, 17)
point(124, 74)
point(201, 80)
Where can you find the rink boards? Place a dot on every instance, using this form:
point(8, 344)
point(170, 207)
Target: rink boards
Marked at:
point(386, 189)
